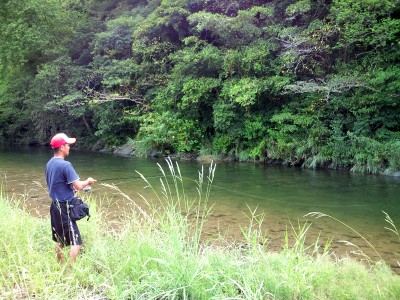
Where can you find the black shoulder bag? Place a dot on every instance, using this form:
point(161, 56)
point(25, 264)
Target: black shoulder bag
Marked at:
point(78, 209)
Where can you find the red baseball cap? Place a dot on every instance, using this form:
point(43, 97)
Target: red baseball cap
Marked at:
point(61, 139)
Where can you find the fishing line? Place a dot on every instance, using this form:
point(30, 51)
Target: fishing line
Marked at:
point(137, 178)
point(280, 201)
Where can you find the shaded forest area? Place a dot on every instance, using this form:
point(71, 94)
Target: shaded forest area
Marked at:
point(308, 83)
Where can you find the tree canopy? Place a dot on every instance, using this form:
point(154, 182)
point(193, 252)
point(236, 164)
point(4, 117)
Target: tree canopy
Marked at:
point(310, 83)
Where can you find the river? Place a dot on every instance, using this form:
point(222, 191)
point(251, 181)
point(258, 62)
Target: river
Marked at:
point(284, 195)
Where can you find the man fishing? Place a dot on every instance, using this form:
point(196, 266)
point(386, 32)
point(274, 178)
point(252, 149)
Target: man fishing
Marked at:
point(62, 182)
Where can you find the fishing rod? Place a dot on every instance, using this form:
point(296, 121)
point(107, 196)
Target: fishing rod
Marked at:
point(118, 178)
point(131, 179)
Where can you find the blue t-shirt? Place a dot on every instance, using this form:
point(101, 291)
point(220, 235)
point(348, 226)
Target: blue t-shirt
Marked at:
point(60, 175)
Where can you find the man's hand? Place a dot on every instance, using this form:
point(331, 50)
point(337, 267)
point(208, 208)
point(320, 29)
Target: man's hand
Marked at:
point(80, 185)
point(90, 180)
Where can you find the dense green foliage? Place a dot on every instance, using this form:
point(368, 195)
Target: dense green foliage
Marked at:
point(310, 82)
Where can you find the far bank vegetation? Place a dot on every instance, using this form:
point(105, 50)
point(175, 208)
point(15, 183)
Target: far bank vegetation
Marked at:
point(300, 82)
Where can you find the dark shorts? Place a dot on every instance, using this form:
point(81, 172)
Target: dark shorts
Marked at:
point(64, 230)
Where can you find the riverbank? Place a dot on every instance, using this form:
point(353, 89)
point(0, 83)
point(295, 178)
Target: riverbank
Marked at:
point(159, 254)
point(129, 149)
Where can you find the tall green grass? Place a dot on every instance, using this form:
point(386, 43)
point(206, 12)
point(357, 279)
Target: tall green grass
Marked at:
point(159, 252)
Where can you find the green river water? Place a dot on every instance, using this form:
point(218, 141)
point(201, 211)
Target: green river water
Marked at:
point(284, 195)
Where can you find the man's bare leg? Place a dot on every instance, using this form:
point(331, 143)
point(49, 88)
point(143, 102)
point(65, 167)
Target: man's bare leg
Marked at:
point(59, 252)
point(74, 252)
